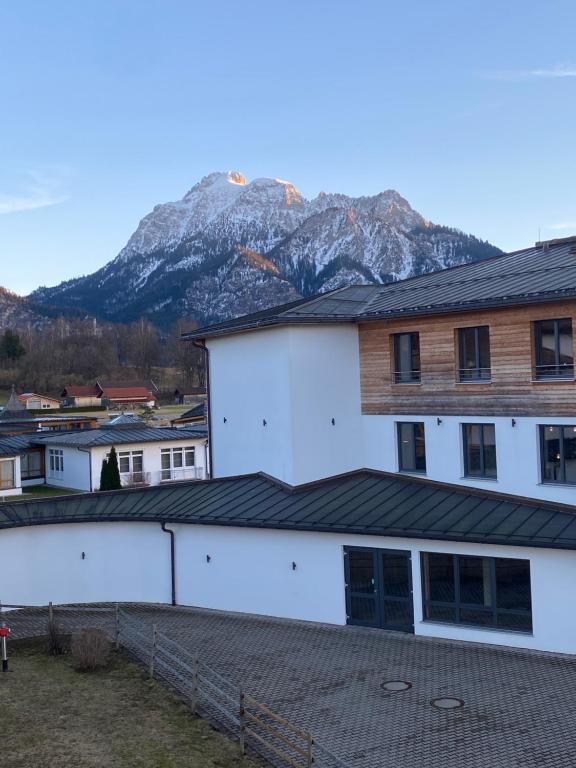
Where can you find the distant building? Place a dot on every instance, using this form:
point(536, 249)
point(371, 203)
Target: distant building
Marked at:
point(195, 415)
point(146, 455)
point(77, 396)
point(36, 402)
point(189, 396)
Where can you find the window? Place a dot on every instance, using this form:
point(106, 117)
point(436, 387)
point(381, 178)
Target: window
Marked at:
point(411, 446)
point(7, 474)
point(130, 462)
point(474, 354)
point(31, 465)
point(56, 461)
point(478, 591)
point(553, 349)
point(175, 462)
point(406, 358)
point(479, 450)
point(558, 454)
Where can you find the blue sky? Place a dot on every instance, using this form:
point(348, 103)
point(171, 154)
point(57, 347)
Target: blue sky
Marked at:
point(109, 107)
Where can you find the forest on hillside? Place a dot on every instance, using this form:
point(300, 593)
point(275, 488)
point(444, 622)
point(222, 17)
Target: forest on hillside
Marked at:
point(80, 351)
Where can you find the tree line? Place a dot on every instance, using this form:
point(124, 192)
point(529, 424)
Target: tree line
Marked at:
point(76, 351)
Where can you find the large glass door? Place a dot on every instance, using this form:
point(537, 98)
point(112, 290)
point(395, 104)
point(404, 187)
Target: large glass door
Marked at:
point(379, 588)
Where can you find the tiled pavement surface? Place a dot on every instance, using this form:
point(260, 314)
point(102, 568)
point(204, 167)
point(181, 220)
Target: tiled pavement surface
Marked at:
point(520, 706)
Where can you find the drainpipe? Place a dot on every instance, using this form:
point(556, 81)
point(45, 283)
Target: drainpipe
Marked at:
point(202, 345)
point(172, 560)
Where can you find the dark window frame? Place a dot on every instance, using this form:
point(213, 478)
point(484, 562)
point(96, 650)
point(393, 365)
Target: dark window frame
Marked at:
point(562, 450)
point(539, 373)
point(413, 376)
point(458, 606)
point(401, 466)
point(478, 373)
point(483, 474)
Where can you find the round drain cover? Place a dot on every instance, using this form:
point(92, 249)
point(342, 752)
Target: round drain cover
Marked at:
point(395, 685)
point(447, 702)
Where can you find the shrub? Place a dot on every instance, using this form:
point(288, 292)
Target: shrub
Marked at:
point(90, 650)
point(55, 641)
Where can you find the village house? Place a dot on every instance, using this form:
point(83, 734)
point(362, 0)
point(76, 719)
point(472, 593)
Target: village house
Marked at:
point(36, 402)
point(78, 396)
point(146, 455)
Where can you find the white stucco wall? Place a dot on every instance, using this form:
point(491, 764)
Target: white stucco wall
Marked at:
point(250, 570)
point(76, 472)
point(517, 452)
point(122, 562)
point(295, 380)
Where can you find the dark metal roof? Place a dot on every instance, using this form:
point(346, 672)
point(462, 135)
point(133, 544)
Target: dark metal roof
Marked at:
point(15, 445)
point(546, 272)
point(364, 502)
point(91, 438)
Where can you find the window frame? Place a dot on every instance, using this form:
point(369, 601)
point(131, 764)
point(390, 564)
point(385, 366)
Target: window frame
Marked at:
point(537, 374)
point(465, 443)
point(543, 479)
point(401, 467)
point(457, 605)
point(56, 461)
point(414, 375)
point(9, 461)
point(473, 375)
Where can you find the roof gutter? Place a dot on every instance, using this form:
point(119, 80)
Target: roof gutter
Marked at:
point(201, 344)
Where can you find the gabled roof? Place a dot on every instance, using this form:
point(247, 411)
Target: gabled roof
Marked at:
point(29, 395)
point(197, 413)
point(546, 272)
point(127, 393)
point(92, 438)
point(77, 390)
point(363, 502)
point(15, 445)
point(124, 420)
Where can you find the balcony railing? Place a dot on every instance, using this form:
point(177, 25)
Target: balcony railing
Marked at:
point(407, 377)
point(474, 374)
point(132, 479)
point(560, 371)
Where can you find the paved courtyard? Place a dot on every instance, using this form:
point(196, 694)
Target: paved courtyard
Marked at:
point(519, 707)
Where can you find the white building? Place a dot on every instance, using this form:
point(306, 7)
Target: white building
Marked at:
point(10, 480)
point(146, 456)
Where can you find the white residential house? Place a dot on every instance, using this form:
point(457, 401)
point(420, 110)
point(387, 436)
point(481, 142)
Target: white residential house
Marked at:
point(146, 456)
point(36, 402)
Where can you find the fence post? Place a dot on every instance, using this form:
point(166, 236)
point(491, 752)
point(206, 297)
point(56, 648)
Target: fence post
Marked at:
point(50, 617)
point(310, 750)
point(195, 691)
point(153, 653)
point(242, 724)
point(117, 631)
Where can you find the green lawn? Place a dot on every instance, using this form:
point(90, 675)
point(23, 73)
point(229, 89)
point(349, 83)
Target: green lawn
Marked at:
point(55, 717)
point(34, 492)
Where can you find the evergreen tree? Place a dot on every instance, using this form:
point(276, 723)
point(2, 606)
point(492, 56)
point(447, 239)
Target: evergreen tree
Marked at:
point(104, 475)
point(113, 472)
point(10, 347)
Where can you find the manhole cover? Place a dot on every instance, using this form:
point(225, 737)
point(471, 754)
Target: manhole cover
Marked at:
point(395, 685)
point(447, 702)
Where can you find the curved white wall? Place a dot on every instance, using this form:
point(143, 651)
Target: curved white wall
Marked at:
point(250, 570)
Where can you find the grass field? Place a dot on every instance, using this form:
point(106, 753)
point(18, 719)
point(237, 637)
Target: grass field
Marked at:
point(54, 717)
point(37, 492)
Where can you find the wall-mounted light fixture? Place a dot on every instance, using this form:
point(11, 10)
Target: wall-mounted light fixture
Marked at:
point(208, 558)
point(264, 422)
point(225, 420)
point(438, 420)
point(293, 565)
point(333, 422)
point(83, 555)
point(513, 422)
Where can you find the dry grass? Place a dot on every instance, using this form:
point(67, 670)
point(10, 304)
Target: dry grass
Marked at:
point(55, 717)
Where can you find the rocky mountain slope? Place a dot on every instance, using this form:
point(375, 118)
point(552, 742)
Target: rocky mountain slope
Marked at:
point(231, 246)
point(18, 313)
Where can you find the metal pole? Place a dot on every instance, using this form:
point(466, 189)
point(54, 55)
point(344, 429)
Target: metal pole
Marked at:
point(4, 651)
point(242, 724)
point(117, 627)
point(153, 654)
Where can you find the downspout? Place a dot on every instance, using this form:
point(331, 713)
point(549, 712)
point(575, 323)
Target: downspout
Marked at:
point(202, 345)
point(172, 560)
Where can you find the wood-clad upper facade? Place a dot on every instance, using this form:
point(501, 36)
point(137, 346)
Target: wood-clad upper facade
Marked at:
point(515, 382)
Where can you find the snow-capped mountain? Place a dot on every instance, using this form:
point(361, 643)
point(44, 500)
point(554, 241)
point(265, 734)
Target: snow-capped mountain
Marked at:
point(231, 246)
